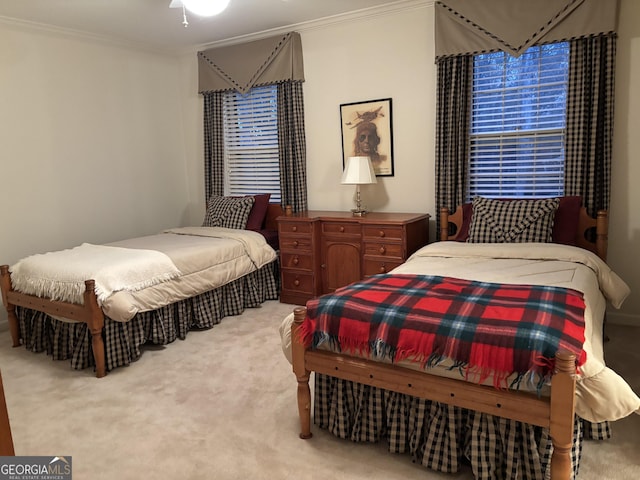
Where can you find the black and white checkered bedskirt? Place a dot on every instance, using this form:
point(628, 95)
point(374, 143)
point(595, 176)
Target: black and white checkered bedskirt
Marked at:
point(439, 436)
point(122, 340)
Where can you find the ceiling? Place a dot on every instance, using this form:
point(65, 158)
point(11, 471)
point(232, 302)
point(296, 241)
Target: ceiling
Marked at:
point(152, 24)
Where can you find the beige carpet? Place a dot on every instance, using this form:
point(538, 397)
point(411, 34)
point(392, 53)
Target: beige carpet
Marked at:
point(221, 405)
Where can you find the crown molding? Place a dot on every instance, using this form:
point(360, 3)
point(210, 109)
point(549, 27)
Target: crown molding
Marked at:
point(63, 32)
point(362, 14)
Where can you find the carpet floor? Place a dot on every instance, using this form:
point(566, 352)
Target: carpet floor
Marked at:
point(222, 405)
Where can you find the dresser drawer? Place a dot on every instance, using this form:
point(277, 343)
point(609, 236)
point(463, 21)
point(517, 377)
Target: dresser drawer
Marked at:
point(297, 282)
point(294, 227)
point(296, 260)
point(393, 250)
point(376, 266)
point(391, 232)
point(289, 242)
point(341, 228)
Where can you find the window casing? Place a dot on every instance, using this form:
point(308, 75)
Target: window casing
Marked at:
point(251, 143)
point(518, 123)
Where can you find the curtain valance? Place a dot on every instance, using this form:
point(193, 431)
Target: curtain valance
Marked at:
point(472, 26)
point(243, 66)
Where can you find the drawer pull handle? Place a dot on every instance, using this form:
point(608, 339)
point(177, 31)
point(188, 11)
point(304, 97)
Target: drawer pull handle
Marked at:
point(296, 282)
point(296, 260)
point(342, 229)
point(294, 229)
point(381, 233)
point(296, 243)
point(382, 250)
point(383, 269)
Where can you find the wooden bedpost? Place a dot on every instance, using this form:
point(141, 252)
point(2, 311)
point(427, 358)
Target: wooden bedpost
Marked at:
point(95, 322)
point(444, 224)
point(302, 374)
point(563, 384)
point(602, 237)
point(5, 284)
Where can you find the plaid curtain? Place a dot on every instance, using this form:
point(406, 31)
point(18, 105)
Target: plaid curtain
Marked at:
point(292, 145)
point(589, 135)
point(452, 132)
point(590, 120)
point(213, 144)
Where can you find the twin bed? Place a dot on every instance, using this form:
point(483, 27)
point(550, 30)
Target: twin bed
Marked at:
point(97, 305)
point(419, 368)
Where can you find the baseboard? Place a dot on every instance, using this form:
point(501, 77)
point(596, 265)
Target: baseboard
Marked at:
point(625, 319)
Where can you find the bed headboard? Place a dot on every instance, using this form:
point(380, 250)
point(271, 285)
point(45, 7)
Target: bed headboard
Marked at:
point(584, 233)
point(274, 210)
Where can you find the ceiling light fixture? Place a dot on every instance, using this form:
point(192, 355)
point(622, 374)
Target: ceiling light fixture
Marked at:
point(202, 8)
point(205, 8)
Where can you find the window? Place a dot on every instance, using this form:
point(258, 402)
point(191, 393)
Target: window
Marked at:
point(251, 143)
point(518, 123)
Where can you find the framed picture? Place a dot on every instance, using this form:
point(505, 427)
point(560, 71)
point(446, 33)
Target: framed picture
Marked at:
point(366, 132)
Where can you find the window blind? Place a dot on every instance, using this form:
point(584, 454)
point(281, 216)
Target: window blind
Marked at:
point(518, 123)
point(251, 142)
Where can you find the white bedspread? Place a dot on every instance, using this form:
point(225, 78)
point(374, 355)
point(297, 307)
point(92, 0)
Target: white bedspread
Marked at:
point(601, 394)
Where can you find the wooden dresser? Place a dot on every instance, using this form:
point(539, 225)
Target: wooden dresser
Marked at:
point(321, 251)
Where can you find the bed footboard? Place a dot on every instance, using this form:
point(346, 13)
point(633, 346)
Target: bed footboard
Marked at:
point(89, 313)
point(555, 413)
point(14, 326)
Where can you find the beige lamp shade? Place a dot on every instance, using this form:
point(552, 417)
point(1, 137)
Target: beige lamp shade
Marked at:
point(358, 171)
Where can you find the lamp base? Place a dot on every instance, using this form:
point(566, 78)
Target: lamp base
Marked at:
point(358, 213)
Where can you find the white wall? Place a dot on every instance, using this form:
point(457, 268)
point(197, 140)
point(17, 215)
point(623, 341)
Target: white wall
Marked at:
point(624, 224)
point(388, 56)
point(92, 147)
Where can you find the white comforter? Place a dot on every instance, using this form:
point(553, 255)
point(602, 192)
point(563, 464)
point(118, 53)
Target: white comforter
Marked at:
point(185, 262)
point(601, 394)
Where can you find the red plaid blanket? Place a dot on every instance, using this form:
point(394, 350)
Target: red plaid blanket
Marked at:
point(492, 329)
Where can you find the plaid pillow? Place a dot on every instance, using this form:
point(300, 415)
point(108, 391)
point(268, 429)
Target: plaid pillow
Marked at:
point(517, 221)
point(228, 212)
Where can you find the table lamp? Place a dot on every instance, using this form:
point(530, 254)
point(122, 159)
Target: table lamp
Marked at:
point(358, 171)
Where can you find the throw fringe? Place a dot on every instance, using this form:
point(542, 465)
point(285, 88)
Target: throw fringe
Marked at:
point(61, 275)
point(535, 378)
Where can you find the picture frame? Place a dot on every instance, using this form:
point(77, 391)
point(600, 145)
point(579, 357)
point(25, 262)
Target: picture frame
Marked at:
point(367, 131)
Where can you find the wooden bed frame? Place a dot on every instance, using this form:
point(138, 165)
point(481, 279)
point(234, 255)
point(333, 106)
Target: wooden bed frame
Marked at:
point(555, 413)
point(89, 312)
